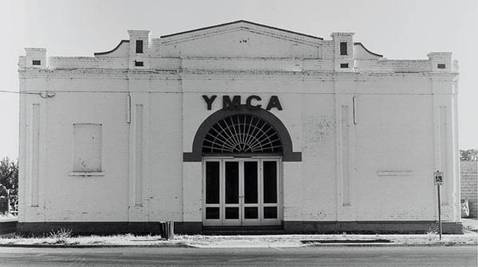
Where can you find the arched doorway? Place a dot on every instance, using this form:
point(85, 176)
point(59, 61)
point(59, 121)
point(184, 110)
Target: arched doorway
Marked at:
point(242, 151)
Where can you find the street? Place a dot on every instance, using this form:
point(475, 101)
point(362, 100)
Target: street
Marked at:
point(316, 256)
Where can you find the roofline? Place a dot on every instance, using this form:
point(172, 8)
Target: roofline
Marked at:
point(239, 21)
point(112, 50)
point(375, 54)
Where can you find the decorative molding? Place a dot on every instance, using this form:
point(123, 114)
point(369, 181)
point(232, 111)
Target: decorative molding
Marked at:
point(87, 174)
point(35, 155)
point(394, 172)
point(287, 146)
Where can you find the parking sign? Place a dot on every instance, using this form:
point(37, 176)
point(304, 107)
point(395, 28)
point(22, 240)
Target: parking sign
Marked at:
point(439, 177)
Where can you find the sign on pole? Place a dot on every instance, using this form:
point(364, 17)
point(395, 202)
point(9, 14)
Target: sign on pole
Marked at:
point(438, 178)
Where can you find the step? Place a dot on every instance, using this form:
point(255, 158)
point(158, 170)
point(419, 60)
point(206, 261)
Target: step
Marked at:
point(243, 230)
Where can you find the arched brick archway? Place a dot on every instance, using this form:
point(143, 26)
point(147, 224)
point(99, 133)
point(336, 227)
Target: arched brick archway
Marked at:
point(285, 139)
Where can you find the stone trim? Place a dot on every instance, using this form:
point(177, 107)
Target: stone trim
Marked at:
point(287, 152)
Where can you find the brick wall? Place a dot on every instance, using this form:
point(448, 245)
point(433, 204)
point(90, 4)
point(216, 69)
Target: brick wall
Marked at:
point(469, 187)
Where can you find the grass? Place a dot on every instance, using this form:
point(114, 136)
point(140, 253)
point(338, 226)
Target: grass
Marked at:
point(63, 237)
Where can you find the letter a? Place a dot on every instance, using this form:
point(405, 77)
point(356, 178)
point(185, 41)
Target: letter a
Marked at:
point(274, 103)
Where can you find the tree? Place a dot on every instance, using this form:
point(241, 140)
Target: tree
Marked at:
point(469, 154)
point(9, 178)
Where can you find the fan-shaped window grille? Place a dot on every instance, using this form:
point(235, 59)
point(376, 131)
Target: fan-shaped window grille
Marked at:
point(241, 133)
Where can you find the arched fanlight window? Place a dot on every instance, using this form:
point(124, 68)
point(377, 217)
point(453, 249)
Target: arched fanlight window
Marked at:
point(241, 133)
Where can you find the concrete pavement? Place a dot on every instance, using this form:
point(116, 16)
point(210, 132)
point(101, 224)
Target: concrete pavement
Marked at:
point(316, 256)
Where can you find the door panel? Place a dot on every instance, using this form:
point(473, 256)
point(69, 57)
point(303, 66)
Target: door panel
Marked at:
point(212, 213)
point(212, 182)
point(212, 177)
point(251, 213)
point(242, 192)
point(270, 210)
point(250, 182)
point(232, 182)
point(250, 207)
point(270, 181)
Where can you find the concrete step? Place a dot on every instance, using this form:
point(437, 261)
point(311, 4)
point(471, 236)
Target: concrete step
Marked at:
point(243, 230)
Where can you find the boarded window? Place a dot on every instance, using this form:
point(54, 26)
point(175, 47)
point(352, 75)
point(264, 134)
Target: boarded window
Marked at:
point(87, 147)
point(343, 48)
point(139, 46)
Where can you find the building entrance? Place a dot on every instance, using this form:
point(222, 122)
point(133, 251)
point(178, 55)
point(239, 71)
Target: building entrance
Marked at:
point(240, 192)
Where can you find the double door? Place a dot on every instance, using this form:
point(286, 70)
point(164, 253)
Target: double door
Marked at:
point(242, 191)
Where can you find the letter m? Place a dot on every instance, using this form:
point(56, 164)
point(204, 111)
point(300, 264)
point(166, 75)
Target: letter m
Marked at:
point(227, 103)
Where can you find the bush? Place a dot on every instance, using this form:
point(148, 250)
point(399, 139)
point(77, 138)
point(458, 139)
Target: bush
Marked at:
point(9, 179)
point(60, 235)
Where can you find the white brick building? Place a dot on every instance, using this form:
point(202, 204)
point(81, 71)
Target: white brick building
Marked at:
point(237, 125)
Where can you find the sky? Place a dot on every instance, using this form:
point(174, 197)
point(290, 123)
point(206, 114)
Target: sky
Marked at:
point(401, 29)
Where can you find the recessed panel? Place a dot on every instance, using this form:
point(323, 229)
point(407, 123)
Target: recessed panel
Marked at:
point(232, 213)
point(270, 212)
point(212, 182)
point(232, 182)
point(270, 181)
point(250, 182)
point(212, 213)
point(251, 213)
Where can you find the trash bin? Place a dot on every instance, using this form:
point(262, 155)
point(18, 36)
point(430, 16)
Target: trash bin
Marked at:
point(167, 230)
point(465, 208)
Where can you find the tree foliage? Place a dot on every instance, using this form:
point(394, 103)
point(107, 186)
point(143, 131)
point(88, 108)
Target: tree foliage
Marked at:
point(469, 154)
point(9, 178)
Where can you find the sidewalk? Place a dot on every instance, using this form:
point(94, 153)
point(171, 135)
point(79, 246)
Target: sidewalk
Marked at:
point(241, 241)
point(237, 241)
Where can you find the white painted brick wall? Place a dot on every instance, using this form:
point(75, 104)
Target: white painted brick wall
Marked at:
point(396, 115)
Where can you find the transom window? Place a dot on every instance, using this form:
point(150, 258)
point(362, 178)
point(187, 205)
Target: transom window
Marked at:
point(242, 133)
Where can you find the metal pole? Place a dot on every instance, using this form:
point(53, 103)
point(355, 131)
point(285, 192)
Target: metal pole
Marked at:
point(439, 210)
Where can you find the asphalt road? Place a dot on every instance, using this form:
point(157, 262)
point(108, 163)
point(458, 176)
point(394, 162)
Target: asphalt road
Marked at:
point(311, 256)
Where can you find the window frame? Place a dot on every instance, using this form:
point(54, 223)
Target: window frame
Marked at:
point(441, 66)
point(139, 47)
point(343, 48)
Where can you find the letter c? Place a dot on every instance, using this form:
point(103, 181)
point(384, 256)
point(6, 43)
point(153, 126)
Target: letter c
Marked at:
point(253, 97)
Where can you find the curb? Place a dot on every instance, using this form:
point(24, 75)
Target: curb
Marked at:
point(183, 245)
point(390, 245)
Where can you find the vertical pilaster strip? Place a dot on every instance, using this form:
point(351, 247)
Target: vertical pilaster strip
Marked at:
point(138, 151)
point(345, 146)
point(444, 153)
point(455, 159)
point(22, 157)
point(35, 155)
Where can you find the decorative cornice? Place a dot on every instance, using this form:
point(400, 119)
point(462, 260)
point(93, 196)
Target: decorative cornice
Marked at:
point(112, 50)
point(241, 22)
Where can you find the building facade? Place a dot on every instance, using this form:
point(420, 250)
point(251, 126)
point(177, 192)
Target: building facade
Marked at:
point(237, 126)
